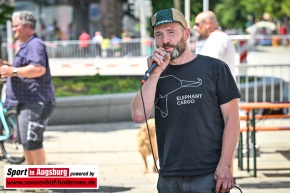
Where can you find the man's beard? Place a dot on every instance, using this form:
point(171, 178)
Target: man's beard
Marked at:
point(179, 48)
point(201, 36)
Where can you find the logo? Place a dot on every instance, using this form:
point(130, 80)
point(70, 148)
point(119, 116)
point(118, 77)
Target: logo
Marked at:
point(51, 177)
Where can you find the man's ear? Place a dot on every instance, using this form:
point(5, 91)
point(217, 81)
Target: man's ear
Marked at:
point(207, 24)
point(26, 25)
point(187, 33)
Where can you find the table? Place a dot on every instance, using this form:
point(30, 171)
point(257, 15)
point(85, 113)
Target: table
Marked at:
point(251, 107)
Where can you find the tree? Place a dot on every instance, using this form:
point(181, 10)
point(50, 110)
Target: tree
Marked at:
point(157, 5)
point(5, 12)
point(285, 8)
point(196, 6)
point(233, 13)
point(230, 14)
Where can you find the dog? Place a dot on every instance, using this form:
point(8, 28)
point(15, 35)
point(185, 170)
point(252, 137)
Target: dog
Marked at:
point(143, 143)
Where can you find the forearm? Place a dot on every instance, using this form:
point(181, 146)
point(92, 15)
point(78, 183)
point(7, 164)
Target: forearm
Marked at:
point(230, 139)
point(223, 174)
point(231, 132)
point(30, 71)
point(148, 93)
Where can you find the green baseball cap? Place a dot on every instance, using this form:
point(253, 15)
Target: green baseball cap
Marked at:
point(168, 16)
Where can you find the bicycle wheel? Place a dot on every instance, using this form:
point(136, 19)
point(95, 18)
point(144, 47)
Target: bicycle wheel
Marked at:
point(11, 148)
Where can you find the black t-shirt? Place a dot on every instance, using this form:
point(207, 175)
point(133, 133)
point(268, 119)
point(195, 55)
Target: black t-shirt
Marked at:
point(189, 121)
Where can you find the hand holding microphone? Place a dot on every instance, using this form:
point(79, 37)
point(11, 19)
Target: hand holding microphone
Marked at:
point(152, 67)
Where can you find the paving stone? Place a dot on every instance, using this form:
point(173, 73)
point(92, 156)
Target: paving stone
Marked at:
point(112, 146)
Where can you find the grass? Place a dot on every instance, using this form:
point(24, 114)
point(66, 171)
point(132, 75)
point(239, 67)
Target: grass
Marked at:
point(93, 85)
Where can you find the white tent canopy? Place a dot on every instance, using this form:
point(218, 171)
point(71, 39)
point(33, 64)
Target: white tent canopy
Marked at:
point(262, 24)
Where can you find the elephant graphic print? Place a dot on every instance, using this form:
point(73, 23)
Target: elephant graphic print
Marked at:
point(176, 84)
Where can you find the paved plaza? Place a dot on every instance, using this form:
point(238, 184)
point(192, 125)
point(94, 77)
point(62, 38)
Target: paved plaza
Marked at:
point(112, 146)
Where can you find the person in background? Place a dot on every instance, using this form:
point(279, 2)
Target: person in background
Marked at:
point(50, 32)
point(126, 44)
point(126, 34)
point(199, 44)
point(116, 45)
point(29, 87)
point(196, 111)
point(84, 43)
point(97, 39)
point(215, 42)
point(283, 31)
point(106, 47)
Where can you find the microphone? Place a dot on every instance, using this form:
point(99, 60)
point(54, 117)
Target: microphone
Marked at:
point(152, 68)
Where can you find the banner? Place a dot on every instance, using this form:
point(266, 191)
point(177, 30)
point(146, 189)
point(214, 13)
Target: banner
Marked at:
point(51, 176)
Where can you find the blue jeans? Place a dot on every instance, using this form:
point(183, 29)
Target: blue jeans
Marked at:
point(186, 184)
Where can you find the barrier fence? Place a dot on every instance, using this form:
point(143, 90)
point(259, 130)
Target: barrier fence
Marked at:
point(138, 47)
point(264, 83)
point(269, 83)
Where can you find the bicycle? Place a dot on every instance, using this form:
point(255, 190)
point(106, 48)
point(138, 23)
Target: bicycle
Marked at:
point(9, 139)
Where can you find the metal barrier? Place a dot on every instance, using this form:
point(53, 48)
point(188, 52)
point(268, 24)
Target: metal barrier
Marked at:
point(134, 47)
point(72, 49)
point(91, 49)
point(264, 83)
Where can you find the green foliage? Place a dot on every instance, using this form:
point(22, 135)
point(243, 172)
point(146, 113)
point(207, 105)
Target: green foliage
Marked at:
point(229, 14)
point(91, 85)
point(5, 12)
point(234, 13)
point(157, 5)
point(285, 7)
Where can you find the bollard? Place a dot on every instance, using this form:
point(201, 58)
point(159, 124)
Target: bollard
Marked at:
point(243, 50)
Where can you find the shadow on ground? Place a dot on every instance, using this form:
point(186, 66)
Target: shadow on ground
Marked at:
point(266, 185)
point(101, 127)
point(285, 153)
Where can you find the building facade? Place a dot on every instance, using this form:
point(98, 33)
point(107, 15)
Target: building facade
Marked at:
point(66, 19)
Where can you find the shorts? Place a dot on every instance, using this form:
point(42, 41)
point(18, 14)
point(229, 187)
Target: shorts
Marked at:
point(32, 120)
point(187, 184)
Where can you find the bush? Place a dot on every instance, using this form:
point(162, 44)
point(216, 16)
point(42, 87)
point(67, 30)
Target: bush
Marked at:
point(92, 85)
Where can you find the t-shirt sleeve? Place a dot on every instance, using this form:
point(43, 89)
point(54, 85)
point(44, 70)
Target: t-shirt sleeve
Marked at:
point(226, 86)
point(37, 54)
